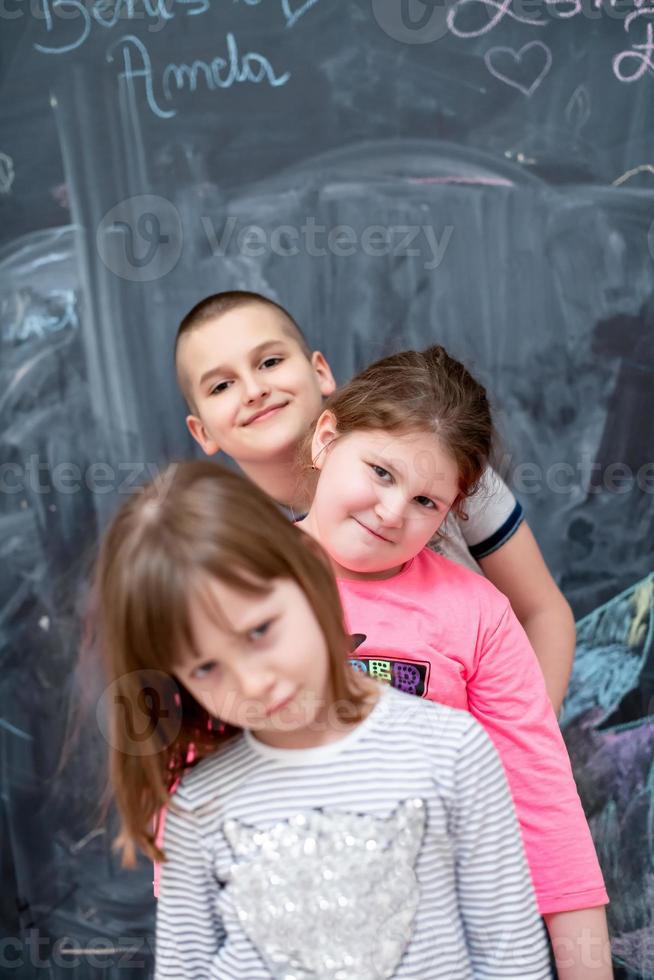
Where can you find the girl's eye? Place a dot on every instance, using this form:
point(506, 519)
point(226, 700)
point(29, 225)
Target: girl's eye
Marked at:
point(425, 502)
point(271, 362)
point(381, 472)
point(260, 631)
point(203, 671)
point(221, 386)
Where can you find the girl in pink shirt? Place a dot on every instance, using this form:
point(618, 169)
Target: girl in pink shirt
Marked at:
point(396, 449)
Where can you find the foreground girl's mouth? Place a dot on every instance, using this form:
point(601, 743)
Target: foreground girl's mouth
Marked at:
point(280, 705)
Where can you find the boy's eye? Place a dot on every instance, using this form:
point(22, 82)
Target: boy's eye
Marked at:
point(425, 502)
point(221, 386)
point(381, 472)
point(271, 362)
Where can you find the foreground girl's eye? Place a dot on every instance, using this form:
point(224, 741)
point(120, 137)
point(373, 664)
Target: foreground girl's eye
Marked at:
point(425, 502)
point(381, 472)
point(260, 631)
point(203, 671)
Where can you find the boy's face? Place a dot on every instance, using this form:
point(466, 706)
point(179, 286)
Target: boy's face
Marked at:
point(255, 391)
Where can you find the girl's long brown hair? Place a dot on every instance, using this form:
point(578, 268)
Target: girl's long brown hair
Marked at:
point(420, 391)
point(196, 520)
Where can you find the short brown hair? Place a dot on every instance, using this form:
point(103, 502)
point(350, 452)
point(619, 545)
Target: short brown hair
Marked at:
point(197, 519)
point(214, 306)
point(422, 391)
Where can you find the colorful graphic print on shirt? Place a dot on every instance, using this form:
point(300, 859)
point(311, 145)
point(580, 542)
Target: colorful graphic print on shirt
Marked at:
point(410, 676)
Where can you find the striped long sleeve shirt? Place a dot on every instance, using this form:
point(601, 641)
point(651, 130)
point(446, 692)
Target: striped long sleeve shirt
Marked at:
point(392, 852)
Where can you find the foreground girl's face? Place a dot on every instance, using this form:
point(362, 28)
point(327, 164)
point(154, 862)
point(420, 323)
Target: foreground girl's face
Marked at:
point(259, 662)
point(380, 498)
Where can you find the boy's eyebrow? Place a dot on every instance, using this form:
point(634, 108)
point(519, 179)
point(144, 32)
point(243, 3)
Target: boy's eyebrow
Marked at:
point(255, 353)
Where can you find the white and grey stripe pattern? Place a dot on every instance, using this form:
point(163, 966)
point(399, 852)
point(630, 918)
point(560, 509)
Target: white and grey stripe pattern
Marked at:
point(475, 916)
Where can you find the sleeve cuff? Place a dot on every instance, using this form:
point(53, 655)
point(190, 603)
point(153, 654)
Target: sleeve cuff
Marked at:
point(590, 898)
point(501, 536)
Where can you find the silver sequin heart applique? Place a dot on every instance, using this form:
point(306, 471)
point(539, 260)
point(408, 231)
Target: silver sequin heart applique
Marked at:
point(328, 895)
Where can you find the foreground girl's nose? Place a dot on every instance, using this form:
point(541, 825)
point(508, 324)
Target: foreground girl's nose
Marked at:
point(254, 686)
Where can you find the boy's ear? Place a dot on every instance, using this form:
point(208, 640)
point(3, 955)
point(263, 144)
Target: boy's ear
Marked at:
point(199, 432)
point(324, 374)
point(324, 433)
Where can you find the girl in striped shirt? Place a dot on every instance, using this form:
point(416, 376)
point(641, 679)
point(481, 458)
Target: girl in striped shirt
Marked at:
point(329, 827)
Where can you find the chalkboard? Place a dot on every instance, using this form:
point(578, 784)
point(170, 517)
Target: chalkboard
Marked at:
point(477, 172)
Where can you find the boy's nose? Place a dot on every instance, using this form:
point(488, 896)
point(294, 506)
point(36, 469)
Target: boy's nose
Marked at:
point(255, 389)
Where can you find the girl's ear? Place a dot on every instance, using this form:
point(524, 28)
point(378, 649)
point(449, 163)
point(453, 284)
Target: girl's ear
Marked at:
point(324, 434)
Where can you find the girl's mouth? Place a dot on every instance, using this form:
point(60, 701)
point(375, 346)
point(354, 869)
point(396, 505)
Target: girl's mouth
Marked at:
point(375, 534)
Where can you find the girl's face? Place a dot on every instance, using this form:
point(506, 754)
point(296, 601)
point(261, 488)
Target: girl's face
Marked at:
point(380, 497)
point(260, 663)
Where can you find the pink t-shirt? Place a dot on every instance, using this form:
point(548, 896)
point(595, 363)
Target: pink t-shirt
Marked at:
point(444, 633)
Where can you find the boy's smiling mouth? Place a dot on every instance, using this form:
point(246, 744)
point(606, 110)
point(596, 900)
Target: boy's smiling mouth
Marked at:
point(264, 413)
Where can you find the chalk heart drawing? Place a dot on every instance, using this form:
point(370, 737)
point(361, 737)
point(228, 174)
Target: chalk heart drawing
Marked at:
point(533, 61)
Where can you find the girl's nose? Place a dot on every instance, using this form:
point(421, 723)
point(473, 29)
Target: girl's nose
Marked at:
point(390, 511)
point(254, 684)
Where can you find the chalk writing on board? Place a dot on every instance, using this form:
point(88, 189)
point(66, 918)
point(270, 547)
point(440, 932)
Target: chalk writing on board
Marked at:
point(33, 317)
point(78, 17)
point(491, 12)
point(631, 65)
point(219, 73)
point(577, 111)
point(7, 173)
point(524, 69)
point(293, 13)
point(469, 19)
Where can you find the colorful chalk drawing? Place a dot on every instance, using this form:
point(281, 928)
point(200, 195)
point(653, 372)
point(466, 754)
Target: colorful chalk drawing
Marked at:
point(608, 724)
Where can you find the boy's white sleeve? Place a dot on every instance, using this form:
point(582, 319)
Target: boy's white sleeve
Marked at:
point(494, 515)
point(189, 933)
point(504, 932)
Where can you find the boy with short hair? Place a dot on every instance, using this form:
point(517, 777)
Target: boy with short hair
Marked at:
point(254, 388)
